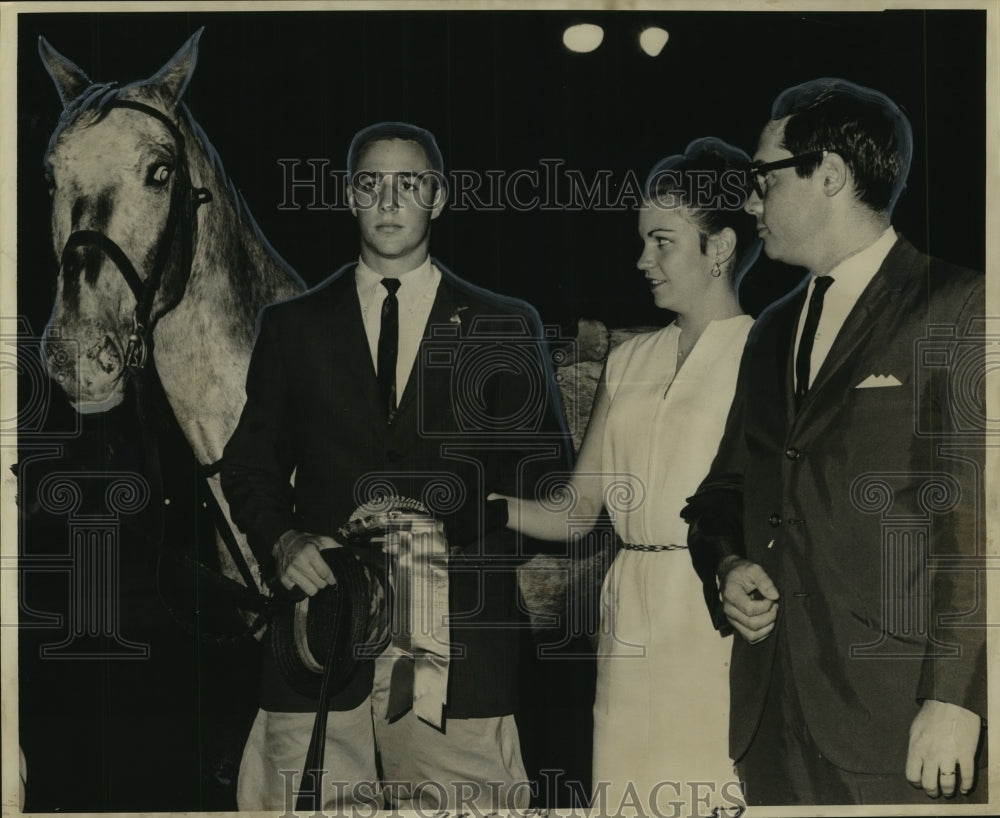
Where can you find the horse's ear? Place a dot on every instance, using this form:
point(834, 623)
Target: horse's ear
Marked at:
point(172, 80)
point(69, 79)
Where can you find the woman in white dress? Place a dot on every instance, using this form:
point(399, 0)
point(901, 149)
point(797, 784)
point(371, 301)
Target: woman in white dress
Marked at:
point(661, 714)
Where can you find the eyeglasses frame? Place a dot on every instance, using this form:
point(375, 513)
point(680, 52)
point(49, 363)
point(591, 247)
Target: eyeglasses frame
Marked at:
point(760, 169)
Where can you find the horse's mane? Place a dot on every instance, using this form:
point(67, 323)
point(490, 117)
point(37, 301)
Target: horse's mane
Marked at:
point(243, 213)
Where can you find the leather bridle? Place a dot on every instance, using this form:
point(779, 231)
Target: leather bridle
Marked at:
point(175, 245)
point(177, 239)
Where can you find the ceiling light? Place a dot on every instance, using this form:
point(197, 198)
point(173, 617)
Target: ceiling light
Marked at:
point(652, 40)
point(583, 38)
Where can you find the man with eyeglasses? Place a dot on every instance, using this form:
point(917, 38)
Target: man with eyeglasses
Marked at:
point(839, 527)
point(395, 384)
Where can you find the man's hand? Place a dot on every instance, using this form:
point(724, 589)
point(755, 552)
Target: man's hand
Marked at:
point(300, 563)
point(749, 598)
point(942, 737)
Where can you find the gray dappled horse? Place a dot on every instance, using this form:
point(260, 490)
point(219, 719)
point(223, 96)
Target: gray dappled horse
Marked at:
point(157, 250)
point(155, 246)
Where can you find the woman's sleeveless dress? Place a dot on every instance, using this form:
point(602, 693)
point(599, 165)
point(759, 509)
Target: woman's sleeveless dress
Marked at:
point(661, 714)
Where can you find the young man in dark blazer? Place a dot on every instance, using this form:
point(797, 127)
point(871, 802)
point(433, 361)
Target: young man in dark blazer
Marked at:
point(441, 397)
point(840, 529)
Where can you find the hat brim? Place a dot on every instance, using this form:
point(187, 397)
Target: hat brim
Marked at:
point(331, 631)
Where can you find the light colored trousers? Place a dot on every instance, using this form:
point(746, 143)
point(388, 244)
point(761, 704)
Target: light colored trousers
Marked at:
point(472, 763)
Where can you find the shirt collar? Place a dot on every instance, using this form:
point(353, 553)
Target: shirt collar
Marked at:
point(410, 281)
point(854, 272)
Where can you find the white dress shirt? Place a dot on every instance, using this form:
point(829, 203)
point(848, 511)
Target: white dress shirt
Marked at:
point(850, 278)
point(416, 297)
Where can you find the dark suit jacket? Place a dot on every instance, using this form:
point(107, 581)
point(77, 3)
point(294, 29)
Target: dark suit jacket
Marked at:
point(479, 413)
point(865, 508)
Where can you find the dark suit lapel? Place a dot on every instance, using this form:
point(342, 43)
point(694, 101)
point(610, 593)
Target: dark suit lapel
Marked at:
point(860, 322)
point(775, 379)
point(444, 309)
point(785, 352)
point(349, 348)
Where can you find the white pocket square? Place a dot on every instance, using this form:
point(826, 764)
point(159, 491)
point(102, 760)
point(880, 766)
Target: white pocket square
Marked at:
point(877, 381)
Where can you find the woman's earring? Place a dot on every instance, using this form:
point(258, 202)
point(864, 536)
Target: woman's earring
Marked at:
point(716, 270)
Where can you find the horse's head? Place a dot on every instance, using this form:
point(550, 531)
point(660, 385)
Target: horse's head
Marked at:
point(122, 221)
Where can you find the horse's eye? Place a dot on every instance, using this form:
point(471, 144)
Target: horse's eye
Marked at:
point(158, 175)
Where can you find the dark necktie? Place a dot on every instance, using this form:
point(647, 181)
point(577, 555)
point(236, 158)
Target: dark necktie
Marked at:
point(388, 348)
point(808, 336)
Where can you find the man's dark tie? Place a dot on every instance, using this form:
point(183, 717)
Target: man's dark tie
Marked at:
point(808, 336)
point(388, 348)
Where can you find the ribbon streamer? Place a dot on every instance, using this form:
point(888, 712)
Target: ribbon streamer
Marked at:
point(420, 647)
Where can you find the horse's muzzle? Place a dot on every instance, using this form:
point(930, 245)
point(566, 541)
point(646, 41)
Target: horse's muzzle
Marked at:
point(90, 375)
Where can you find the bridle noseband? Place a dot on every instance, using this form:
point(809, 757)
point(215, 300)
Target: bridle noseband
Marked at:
point(184, 202)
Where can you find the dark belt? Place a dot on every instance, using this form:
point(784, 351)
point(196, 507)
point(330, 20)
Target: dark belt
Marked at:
point(634, 547)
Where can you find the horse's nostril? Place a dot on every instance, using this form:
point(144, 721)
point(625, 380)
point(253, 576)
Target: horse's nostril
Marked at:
point(108, 357)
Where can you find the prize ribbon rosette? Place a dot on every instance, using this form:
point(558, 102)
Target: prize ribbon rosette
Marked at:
point(416, 555)
point(319, 640)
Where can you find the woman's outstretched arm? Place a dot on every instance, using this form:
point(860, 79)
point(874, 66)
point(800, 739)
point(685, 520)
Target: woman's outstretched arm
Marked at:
point(573, 508)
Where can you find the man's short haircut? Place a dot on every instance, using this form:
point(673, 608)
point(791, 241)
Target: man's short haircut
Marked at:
point(863, 126)
point(709, 179)
point(395, 130)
